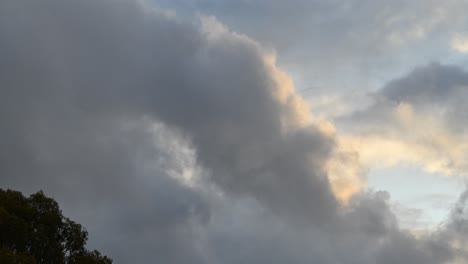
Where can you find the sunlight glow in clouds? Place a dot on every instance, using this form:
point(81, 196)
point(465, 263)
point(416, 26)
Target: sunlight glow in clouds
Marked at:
point(460, 43)
point(181, 137)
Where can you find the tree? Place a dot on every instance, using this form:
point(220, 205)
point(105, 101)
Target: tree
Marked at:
point(34, 231)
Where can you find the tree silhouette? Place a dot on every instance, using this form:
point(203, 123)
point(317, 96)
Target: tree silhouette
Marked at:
point(34, 231)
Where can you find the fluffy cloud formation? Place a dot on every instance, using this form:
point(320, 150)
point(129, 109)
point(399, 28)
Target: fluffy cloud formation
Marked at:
point(420, 119)
point(180, 143)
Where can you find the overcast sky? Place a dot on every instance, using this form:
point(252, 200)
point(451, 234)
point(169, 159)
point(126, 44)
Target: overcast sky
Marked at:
point(250, 131)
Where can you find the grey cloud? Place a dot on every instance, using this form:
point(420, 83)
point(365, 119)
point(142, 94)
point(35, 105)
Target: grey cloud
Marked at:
point(107, 106)
point(161, 71)
point(433, 83)
point(431, 100)
point(457, 225)
point(365, 42)
point(435, 89)
point(422, 110)
point(455, 229)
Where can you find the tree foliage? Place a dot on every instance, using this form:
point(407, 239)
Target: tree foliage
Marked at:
point(34, 231)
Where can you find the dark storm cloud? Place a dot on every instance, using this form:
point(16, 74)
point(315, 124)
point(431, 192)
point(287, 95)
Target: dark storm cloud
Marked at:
point(72, 123)
point(100, 68)
point(109, 105)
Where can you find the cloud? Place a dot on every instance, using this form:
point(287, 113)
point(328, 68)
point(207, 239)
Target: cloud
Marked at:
point(180, 142)
point(365, 42)
point(460, 43)
point(419, 118)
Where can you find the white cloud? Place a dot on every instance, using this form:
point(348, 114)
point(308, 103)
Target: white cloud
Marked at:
point(460, 43)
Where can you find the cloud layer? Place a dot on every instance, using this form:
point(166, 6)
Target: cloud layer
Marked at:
point(181, 142)
point(365, 42)
point(420, 119)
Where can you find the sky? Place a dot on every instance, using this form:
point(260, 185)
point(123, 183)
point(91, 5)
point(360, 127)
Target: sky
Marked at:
point(249, 131)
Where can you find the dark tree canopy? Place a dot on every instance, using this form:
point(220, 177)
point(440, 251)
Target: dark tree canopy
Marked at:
point(34, 231)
